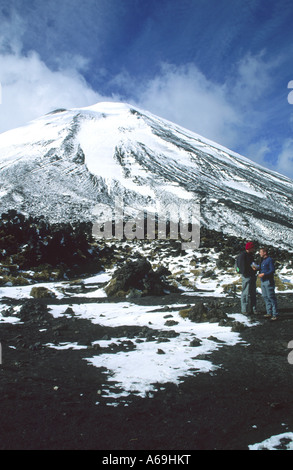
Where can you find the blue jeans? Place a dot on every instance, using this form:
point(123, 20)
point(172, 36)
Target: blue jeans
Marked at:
point(248, 296)
point(268, 293)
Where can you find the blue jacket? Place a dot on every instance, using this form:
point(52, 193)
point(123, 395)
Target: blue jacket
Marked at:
point(267, 267)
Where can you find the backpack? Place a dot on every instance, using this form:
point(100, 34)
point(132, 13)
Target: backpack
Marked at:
point(236, 264)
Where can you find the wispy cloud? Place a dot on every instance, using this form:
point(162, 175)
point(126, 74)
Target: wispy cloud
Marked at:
point(285, 159)
point(235, 113)
point(30, 89)
point(185, 96)
point(12, 30)
point(227, 112)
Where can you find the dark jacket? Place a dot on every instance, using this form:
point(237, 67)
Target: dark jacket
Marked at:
point(267, 267)
point(244, 263)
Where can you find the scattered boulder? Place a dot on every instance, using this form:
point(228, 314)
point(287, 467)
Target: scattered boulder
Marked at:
point(160, 351)
point(237, 327)
point(137, 278)
point(204, 312)
point(33, 310)
point(195, 343)
point(42, 293)
point(171, 323)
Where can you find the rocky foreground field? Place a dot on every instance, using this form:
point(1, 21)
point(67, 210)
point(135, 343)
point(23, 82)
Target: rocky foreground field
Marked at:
point(51, 399)
point(220, 381)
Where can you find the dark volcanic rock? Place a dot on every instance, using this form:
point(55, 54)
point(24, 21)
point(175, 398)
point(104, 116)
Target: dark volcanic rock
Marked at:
point(33, 311)
point(137, 275)
point(205, 312)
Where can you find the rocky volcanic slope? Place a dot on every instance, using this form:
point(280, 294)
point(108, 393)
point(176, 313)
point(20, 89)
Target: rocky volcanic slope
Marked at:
point(66, 164)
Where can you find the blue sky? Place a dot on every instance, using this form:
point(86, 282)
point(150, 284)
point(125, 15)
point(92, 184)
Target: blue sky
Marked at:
point(220, 68)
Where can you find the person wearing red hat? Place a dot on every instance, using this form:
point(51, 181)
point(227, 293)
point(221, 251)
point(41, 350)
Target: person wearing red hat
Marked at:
point(249, 246)
point(247, 269)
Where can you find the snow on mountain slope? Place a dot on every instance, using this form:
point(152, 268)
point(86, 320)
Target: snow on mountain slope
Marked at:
point(65, 163)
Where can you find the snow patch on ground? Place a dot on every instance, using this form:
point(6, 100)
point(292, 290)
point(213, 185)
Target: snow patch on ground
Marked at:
point(282, 441)
point(138, 371)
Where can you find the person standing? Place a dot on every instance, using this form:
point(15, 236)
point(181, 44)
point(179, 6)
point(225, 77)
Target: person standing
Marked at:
point(247, 269)
point(266, 274)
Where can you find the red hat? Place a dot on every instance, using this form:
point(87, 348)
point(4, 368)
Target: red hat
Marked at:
point(249, 245)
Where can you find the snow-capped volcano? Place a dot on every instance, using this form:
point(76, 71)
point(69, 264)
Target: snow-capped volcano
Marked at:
point(66, 163)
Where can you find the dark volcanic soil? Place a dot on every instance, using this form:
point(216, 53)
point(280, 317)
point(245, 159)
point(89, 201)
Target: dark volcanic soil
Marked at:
point(48, 397)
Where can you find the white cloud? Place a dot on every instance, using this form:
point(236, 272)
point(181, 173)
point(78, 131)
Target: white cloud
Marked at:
point(30, 89)
point(227, 112)
point(233, 113)
point(253, 78)
point(280, 160)
point(285, 159)
point(11, 33)
point(185, 96)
